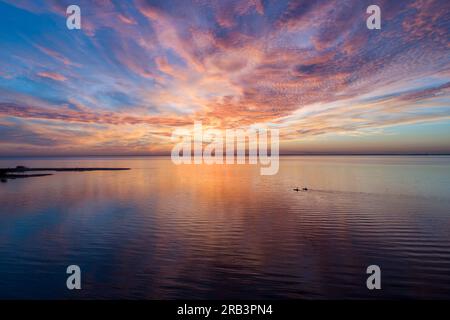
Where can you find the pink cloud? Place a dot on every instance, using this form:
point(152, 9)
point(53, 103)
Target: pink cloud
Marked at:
point(52, 75)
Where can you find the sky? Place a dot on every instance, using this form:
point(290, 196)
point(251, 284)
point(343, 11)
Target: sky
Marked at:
point(138, 70)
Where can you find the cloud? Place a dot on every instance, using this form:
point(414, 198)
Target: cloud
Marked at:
point(157, 64)
point(59, 57)
point(63, 113)
point(52, 75)
point(362, 117)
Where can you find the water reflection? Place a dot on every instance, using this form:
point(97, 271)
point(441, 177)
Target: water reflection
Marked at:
point(198, 231)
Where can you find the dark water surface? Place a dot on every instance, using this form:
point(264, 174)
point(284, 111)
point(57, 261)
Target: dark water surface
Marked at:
point(164, 231)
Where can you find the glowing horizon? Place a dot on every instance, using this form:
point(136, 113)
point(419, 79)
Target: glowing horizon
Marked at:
point(138, 70)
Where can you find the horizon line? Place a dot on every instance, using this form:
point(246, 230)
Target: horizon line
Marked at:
point(168, 155)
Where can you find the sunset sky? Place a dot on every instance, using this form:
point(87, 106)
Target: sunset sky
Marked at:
point(137, 70)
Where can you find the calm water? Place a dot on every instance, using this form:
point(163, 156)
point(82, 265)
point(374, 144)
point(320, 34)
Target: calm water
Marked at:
point(162, 231)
